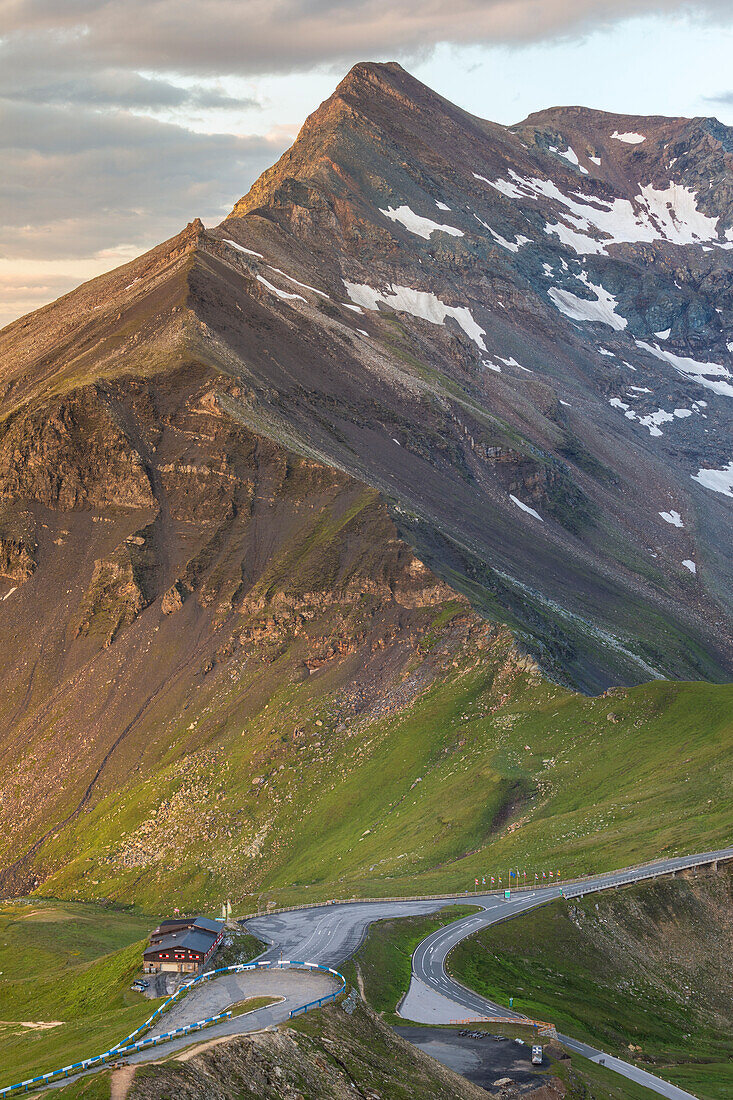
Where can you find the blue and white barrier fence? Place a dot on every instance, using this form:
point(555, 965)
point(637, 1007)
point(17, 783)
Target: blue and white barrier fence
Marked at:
point(131, 1044)
point(321, 1000)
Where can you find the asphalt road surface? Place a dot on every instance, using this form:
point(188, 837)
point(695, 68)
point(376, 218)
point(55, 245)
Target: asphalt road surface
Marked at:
point(295, 987)
point(331, 933)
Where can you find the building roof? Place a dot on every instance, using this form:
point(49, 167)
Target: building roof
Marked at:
point(190, 922)
point(178, 925)
point(189, 939)
point(210, 925)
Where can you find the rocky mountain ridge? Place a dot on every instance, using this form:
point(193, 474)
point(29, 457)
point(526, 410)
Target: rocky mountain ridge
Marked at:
point(432, 378)
point(557, 318)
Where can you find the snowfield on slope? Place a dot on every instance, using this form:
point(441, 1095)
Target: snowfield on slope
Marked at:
point(284, 294)
point(628, 138)
point(602, 309)
point(655, 215)
point(720, 481)
point(418, 303)
point(692, 370)
point(416, 223)
point(526, 508)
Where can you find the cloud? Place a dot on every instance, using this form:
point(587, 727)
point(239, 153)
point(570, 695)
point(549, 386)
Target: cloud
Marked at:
point(91, 172)
point(72, 185)
point(725, 98)
point(83, 191)
point(250, 37)
point(117, 89)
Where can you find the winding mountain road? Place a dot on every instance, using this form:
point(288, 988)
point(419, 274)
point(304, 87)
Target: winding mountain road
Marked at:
point(329, 934)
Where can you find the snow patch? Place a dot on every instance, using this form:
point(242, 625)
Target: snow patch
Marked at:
point(596, 160)
point(601, 309)
point(688, 564)
point(720, 481)
point(511, 246)
point(512, 362)
point(441, 205)
point(418, 303)
point(650, 420)
point(570, 155)
point(305, 286)
point(629, 138)
point(422, 227)
point(526, 508)
point(672, 517)
point(692, 370)
point(10, 592)
point(241, 248)
point(664, 334)
point(284, 294)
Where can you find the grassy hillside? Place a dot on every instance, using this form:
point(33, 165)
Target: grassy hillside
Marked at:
point(65, 983)
point(644, 973)
point(485, 768)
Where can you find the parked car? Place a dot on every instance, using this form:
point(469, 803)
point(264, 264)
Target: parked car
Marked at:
point(139, 985)
point(536, 1055)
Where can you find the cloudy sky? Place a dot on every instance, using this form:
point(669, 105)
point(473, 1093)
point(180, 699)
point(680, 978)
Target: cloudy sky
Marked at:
point(121, 120)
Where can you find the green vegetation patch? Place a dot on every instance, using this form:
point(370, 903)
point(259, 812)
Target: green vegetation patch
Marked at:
point(96, 1087)
point(643, 973)
point(65, 985)
point(251, 1004)
point(383, 964)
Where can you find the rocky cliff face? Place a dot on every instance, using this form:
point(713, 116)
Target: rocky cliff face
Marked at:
point(427, 361)
point(154, 552)
point(519, 336)
point(529, 351)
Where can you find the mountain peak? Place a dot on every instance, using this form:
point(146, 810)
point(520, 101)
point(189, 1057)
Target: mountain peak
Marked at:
point(377, 74)
point(510, 331)
point(373, 98)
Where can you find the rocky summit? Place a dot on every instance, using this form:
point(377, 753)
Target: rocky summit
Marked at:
point(428, 362)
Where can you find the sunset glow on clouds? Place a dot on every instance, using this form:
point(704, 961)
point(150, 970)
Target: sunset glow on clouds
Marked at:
point(120, 122)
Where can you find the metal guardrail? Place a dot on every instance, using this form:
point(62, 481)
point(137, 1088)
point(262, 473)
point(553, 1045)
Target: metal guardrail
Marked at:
point(321, 1000)
point(702, 860)
point(131, 1044)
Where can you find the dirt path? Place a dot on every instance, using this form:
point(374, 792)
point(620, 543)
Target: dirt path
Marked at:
point(120, 1082)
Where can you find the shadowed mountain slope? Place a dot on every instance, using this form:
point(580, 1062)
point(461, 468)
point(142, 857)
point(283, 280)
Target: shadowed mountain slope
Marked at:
point(521, 344)
point(432, 378)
